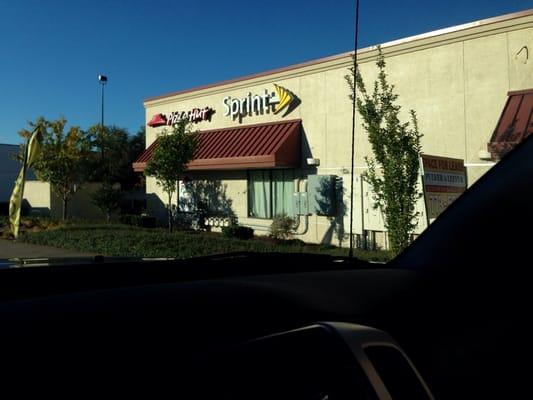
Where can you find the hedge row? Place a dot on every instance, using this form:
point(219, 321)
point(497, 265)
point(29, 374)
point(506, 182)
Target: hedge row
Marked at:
point(129, 241)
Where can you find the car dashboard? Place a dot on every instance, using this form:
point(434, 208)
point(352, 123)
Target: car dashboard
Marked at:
point(234, 326)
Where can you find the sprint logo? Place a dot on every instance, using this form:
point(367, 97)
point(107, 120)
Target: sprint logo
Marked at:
point(283, 98)
point(258, 104)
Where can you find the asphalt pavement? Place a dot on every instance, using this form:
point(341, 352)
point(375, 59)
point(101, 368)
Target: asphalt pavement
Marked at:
point(12, 249)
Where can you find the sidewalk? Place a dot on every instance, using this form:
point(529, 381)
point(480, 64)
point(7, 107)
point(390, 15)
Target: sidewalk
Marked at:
point(11, 248)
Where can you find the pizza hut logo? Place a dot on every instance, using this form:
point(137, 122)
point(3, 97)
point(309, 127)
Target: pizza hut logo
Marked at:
point(157, 120)
point(194, 115)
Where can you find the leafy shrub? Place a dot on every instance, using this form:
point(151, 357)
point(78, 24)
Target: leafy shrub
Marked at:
point(107, 199)
point(283, 227)
point(147, 221)
point(123, 240)
point(183, 220)
point(129, 219)
point(29, 222)
point(295, 242)
point(6, 234)
point(49, 223)
point(238, 232)
point(41, 223)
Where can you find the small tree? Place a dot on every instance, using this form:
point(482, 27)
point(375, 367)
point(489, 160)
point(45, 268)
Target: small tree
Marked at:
point(63, 158)
point(107, 199)
point(169, 161)
point(283, 227)
point(393, 169)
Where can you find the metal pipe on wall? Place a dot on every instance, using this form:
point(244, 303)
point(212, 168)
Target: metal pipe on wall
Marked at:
point(305, 217)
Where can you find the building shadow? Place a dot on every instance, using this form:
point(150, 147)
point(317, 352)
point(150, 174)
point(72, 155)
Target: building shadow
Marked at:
point(133, 202)
point(27, 210)
point(305, 153)
point(156, 208)
point(207, 196)
point(330, 202)
point(202, 199)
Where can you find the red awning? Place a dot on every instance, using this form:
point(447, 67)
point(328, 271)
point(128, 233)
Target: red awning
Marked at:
point(271, 145)
point(514, 125)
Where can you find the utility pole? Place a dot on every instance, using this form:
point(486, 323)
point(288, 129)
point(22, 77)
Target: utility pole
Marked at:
point(354, 93)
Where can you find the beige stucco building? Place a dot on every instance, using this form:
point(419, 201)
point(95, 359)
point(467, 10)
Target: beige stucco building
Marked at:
point(41, 200)
point(457, 79)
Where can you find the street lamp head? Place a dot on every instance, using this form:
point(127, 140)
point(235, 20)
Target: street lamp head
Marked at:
point(102, 78)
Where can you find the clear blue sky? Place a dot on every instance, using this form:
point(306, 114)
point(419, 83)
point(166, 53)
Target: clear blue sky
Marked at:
point(51, 52)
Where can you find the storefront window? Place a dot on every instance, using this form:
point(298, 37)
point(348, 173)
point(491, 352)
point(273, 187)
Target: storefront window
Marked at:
point(270, 193)
point(259, 194)
point(282, 191)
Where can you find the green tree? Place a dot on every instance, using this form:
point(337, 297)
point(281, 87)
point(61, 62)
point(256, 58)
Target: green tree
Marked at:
point(110, 152)
point(169, 161)
point(130, 179)
point(63, 158)
point(107, 199)
point(114, 150)
point(137, 144)
point(393, 170)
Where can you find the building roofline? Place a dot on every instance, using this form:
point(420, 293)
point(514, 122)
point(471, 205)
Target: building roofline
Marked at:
point(252, 76)
point(519, 92)
point(409, 39)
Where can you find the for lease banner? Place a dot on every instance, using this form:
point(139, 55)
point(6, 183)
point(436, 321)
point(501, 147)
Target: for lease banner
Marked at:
point(444, 179)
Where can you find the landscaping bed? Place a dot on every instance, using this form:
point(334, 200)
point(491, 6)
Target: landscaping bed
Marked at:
point(128, 241)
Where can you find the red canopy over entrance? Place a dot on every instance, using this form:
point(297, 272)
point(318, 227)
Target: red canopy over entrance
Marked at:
point(270, 145)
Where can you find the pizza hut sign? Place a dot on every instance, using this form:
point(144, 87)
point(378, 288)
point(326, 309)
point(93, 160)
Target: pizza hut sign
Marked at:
point(194, 115)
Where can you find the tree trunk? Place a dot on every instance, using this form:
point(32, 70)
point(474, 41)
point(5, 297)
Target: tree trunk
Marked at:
point(169, 212)
point(178, 197)
point(65, 201)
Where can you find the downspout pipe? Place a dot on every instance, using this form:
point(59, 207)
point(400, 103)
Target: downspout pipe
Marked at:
point(306, 216)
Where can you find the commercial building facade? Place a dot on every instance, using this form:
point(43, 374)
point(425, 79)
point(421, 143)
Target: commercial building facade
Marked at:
point(39, 199)
point(9, 169)
point(279, 142)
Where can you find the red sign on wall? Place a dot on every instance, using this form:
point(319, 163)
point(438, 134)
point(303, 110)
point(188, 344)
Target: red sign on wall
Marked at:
point(194, 115)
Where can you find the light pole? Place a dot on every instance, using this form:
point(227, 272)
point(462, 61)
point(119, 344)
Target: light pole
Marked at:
point(103, 80)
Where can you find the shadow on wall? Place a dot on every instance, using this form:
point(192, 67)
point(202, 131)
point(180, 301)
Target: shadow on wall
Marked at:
point(293, 104)
point(305, 153)
point(330, 201)
point(133, 202)
point(27, 210)
point(156, 207)
point(39, 212)
point(207, 196)
point(80, 204)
